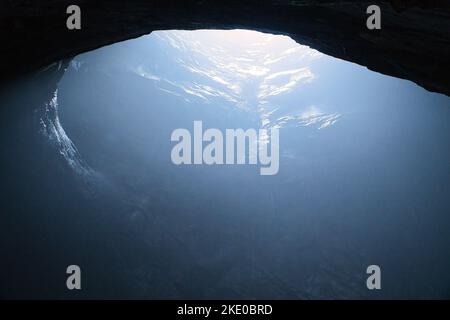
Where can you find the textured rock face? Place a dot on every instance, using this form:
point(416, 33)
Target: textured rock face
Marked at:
point(414, 42)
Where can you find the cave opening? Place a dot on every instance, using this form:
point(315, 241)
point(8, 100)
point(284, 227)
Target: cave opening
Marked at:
point(360, 156)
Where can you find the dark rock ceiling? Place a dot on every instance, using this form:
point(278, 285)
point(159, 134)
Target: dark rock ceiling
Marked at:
point(414, 42)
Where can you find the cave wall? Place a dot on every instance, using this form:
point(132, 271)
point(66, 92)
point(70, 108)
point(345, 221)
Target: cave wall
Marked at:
point(413, 43)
